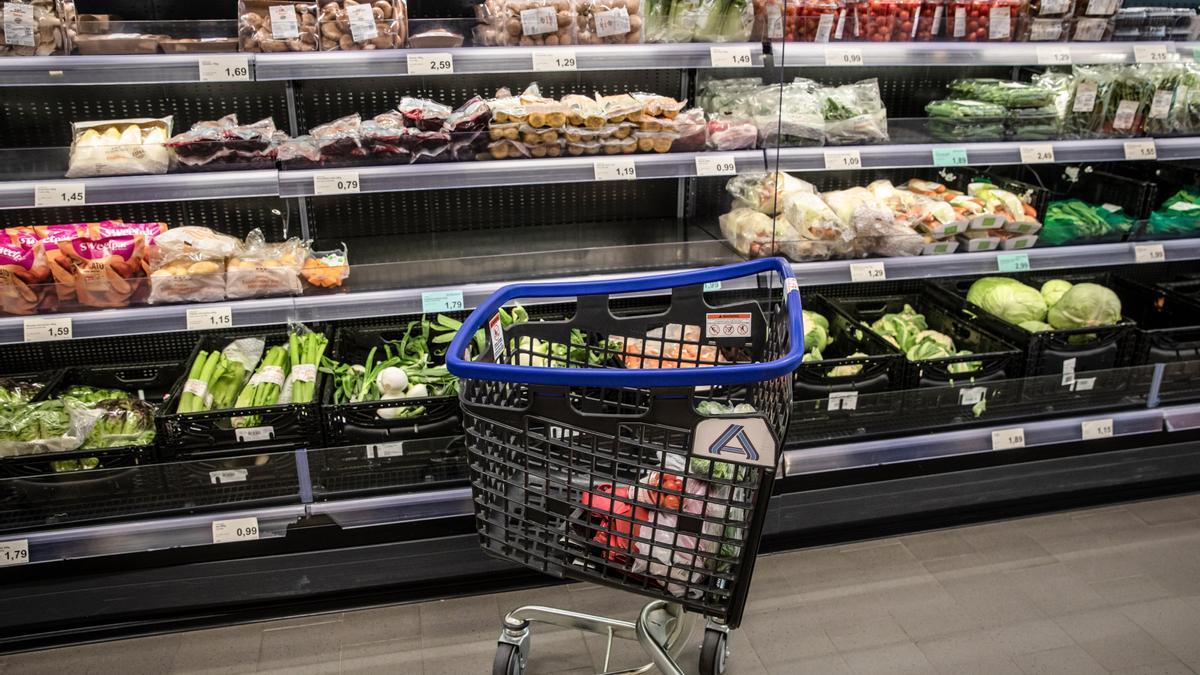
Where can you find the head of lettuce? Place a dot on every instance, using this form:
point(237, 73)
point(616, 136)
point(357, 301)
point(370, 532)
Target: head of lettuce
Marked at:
point(1008, 299)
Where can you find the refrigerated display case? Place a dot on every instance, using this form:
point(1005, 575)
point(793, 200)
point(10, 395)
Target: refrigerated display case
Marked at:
point(376, 195)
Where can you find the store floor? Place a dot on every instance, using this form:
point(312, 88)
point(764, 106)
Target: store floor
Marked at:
point(1106, 590)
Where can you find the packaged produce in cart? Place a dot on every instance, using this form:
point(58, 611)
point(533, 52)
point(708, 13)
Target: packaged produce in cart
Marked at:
point(277, 26)
point(609, 21)
point(36, 27)
point(527, 23)
point(261, 269)
point(187, 264)
point(119, 147)
point(347, 25)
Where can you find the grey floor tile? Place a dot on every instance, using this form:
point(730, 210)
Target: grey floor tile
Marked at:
point(400, 655)
point(994, 600)
point(459, 620)
point(921, 621)
point(1114, 640)
point(1160, 511)
point(1173, 623)
point(311, 645)
point(1126, 590)
point(1062, 661)
point(1030, 637)
point(144, 656)
point(902, 658)
point(986, 666)
point(833, 664)
point(781, 636)
point(934, 545)
point(551, 652)
point(466, 658)
point(219, 651)
point(380, 624)
point(848, 637)
point(1056, 590)
point(559, 597)
point(961, 650)
point(1176, 668)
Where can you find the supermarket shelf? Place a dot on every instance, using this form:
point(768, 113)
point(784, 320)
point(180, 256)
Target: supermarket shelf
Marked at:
point(915, 155)
point(147, 535)
point(972, 441)
point(107, 70)
point(401, 508)
point(960, 54)
point(517, 172)
point(168, 188)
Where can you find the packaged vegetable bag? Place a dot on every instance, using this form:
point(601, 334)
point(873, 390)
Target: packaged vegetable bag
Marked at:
point(107, 272)
point(23, 279)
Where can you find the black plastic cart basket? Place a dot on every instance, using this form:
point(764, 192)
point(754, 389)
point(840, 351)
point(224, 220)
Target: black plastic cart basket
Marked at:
point(636, 451)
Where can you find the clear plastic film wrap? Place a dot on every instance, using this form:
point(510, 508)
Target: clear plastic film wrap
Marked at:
point(262, 269)
point(119, 147)
point(277, 26)
point(527, 23)
point(187, 264)
point(347, 25)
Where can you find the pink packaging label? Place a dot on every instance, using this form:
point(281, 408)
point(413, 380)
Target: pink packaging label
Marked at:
point(52, 234)
point(150, 230)
point(97, 249)
point(16, 254)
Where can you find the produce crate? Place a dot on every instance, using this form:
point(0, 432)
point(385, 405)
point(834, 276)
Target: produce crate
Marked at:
point(354, 423)
point(212, 434)
point(149, 382)
point(1168, 332)
point(1048, 351)
point(395, 466)
point(247, 479)
point(104, 494)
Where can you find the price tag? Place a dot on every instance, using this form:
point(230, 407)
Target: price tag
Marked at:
point(224, 69)
point(616, 169)
point(842, 159)
point(1085, 97)
point(1135, 150)
point(14, 552)
point(362, 22)
point(1152, 53)
point(843, 400)
point(824, 27)
point(1054, 56)
point(1037, 154)
point(385, 450)
point(254, 434)
point(971, 395)
point(60, 194)
point(715, 165)
point(555, 60)
point(48, 329)
point(730, 57)
point(336, 183)
point(1126, 114)
point(839, 56)
point(235, 529)
point(19, 23)
point(1012, 262)
point(999, 23)
point(1143, 253)
point(207, 318)
point(537, 21)
point(1068, 372)
point(284, 25)
point(1007, 439)
point(228, 476)
point(870, 271)
point(1160, 105)
point(1084, 384)
point(774, 22)
point(949, 156)
point(431, 63)
point(712, 286)
point(442, 301)
point(1093, 429)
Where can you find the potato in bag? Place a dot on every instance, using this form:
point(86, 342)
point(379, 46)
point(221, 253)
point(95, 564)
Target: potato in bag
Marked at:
point(23, 279)
point(107, 271)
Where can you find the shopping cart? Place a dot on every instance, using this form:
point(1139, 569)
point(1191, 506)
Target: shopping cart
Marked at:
point(634, 449)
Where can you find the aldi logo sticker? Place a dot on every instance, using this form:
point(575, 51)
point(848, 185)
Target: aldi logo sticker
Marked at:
point(745, 440)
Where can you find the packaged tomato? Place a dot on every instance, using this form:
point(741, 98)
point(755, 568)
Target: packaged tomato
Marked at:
point(816, 21)
point(875, 20)
point(928, 22)
point(984, 20)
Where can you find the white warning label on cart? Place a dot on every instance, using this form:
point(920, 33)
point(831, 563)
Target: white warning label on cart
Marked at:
point(742, 440)
point(727, 325)
point(496, 330)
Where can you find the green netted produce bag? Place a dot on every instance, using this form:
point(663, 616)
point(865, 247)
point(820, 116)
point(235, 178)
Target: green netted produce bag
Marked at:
point(1076, 221)
point(1178, 217)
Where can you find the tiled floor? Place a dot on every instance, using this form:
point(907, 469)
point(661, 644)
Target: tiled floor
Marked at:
point(1108, 590)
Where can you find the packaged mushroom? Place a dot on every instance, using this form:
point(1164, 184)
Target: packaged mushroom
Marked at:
point(277, 26)
point(526, 23)
point(119, 148)
point(36, 27)
point(349, 25)
point(616, 22)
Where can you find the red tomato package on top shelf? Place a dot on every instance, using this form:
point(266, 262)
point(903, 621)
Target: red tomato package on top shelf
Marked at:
point(817, 20)
point(929, 22)
point(875, 20)
point(984, 20)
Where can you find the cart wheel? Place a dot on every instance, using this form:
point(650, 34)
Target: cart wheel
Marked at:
point(714, 652)
point(508, 660)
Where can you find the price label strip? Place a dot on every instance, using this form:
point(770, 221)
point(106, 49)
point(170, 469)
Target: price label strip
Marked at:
point(716, 165)
point(1149, 253)
point(1012, 262)
point(843, 57)
point(442, 301)
point(1152, 53)
point(48, 329)
point(555, 60)
point(1094, 429)
point(430, 63)
point(1140, 150)
point(14, 552)
point(1008, 439)
point(949, 157)
point(616, 169)
point(872, 271)
point(60, 194)
point(843, 159)
point(730, 57)
point(1037, 154)
point(225, 69)
point(235, 529)
point(208, 318)
point(336, 183)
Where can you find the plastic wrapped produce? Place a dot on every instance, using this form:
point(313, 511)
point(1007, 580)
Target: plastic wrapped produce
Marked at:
point(755, 234)
point(1088, 105)
point(45, 427)
point(873, 223)
point(527, 23)
point(223, 143)
point(1092, 29)
point(1033, 124)
point(1007, 93)
point(299, 152)
point(730, 132)
point(119, 147)
point(1073, 221)
point(36, 27)
point(1045, 29)
point(340, 138)
point(692, 129)
point(261, 269)
point(874, 20)
point(1130, 99)
point(965, 120)
point(277, 26)
point(698, 20)
point(765, 192)
point(348, 25)
point(854, 113)
point(24, 277)
point(187, 264)
point(798, 123)
point(809, 21)
point(1097, 7)
point(1166, 115)
point(108, 270)
point(821, 234)
point(609, 21)
point(983, 20)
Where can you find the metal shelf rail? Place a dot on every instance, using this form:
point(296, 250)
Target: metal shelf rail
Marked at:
point(960, 54)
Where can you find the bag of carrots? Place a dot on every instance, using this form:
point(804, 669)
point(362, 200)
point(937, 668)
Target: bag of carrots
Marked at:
point(327, 269)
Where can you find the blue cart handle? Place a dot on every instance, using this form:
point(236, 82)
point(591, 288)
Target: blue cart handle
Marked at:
point(633, 377)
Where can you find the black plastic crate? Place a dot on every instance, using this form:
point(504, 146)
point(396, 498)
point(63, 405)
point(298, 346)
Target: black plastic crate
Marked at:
point(1168, 332)
point(247, 479)
point(353, 423)
point(103, 494)
point(880, 370)
point(212, 434)
point(150, 382)
point(395, 466)
point(1047, 352)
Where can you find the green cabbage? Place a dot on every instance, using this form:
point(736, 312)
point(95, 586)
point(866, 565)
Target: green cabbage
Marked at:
point(1086, 306)
point(1035, 326)
point(1008, 299)
point(1053, 290)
